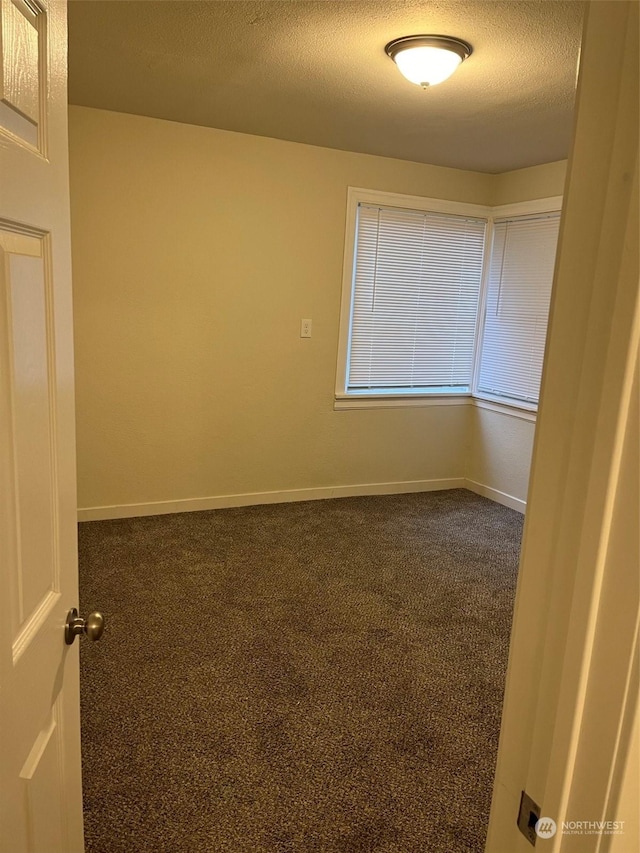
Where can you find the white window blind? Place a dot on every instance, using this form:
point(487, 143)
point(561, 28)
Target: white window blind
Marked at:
point(517, 306)
point(416, 285)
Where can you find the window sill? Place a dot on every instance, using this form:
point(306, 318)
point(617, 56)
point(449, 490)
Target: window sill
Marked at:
point(399, 402)
point(513, 411)
point(370, 402)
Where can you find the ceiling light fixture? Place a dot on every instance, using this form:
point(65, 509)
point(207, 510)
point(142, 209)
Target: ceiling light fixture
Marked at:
point(427, 60)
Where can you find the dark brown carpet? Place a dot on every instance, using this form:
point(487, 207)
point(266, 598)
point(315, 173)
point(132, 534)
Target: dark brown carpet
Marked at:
point(323, 676)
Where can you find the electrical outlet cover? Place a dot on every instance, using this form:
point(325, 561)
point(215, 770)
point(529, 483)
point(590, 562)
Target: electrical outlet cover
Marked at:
point(528, 816)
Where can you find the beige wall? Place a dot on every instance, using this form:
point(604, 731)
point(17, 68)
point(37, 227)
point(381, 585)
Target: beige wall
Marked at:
point(196, 253)
point(500, 448)
point(531, 183)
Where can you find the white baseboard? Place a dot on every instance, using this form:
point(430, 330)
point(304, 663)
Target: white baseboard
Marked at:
point(496, 495)
point(100, 513)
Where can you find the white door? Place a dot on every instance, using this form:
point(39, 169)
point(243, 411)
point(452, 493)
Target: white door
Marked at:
point(40, 780)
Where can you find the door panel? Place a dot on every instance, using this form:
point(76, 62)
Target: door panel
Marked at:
point(22, 68)
point(44, 809)
point(40, 781)
point(27, 343)
point(35, 673)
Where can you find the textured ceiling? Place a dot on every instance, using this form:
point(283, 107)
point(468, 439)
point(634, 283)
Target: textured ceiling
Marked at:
point(316, 72)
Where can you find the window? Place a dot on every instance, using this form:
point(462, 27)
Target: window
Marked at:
point(517, 306)
point(415, 275)
point(416, 283)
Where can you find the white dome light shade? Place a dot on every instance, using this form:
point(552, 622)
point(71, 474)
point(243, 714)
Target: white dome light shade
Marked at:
point(427, 66)
point(427, 60)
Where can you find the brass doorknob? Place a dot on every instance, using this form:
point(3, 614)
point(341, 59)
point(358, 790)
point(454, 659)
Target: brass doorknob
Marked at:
point(92, 626)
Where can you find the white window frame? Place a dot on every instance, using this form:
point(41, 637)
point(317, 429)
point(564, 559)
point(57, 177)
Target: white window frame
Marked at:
point(358, 195)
